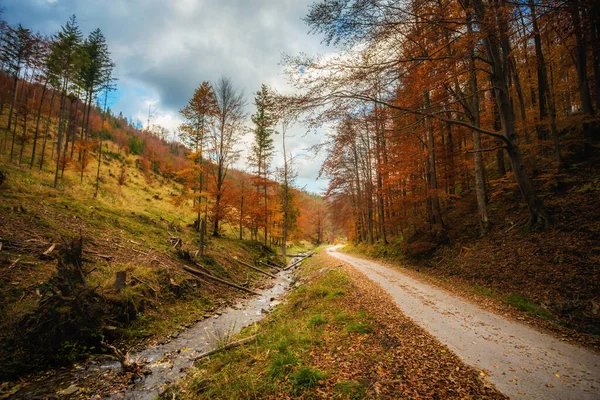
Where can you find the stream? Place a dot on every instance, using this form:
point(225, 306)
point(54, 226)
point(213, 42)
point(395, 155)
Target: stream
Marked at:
point(165, 363)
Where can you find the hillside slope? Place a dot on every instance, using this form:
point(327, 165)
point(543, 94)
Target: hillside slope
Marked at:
point(549, 277)
point(129, 227)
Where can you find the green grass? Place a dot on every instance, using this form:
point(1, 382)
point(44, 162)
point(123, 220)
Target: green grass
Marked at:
point(529, 306)
point(282, 364)
point(320, 291)
point(343, 317)
point(350, 390)
point(306, 378)
point(391, 251)
point(279, 362)
point(317, 320)
point(484, 291)
point(361, 328)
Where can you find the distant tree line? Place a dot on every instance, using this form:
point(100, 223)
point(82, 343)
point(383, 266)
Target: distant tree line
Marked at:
point(54, 93)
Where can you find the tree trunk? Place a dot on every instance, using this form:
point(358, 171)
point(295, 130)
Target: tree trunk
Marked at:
point(202, 232)
point(543, 87)
point(242, 217)
point(380, 166)
point(436, 213)
point(538, 213)
point(69, 122)
point(594, 18)
point(266, 209)
point(480, 186)
point(37, 126)
point(101, 144)
point(581, 59)
point(12, 107)
point(61, 120)
point(47, 129)
point(217, 215)
point(16, 115)
point(25, 111)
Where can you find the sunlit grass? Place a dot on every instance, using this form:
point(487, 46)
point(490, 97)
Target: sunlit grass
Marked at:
point(279, 362)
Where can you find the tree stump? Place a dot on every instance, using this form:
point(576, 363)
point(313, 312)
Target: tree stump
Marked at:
point(202, 235)
point(120, 281)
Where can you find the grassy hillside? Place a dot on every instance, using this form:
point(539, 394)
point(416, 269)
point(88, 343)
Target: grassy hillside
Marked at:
point(128, 228)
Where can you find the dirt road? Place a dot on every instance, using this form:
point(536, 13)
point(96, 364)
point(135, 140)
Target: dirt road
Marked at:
point(520, 361)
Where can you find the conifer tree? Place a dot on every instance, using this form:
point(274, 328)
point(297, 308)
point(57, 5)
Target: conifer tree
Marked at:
point(16, 51)
point(95, 64)
point(199, 115)
point(63, 63)
point(263, 149)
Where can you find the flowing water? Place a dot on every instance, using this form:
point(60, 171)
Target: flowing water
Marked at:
point(166, 363)
point(169, 362)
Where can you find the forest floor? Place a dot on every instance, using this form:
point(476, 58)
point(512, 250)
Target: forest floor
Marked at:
point(127, 228)
point(336, 336)
point(547, 278)
point(520, 361)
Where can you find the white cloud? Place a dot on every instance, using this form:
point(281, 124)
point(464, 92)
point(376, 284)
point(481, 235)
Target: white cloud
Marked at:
point(164, 50)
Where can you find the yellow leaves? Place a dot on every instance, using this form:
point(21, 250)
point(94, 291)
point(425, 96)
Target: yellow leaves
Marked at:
point(194, 155)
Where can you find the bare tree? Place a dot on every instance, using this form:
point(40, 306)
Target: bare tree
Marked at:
point(223, 138)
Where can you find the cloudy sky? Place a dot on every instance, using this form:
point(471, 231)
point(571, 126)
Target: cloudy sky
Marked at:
point(163, 49)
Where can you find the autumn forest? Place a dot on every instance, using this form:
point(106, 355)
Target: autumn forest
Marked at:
point(457, 139)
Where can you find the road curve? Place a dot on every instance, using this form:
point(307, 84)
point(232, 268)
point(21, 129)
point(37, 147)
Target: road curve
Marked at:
point(521, 362)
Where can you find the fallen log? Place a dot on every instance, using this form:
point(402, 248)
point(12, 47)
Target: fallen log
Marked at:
point(271, 266)
point(200, 267)
point(231, 345)
point(50, 249)
point(293, 265)
point(123, 358)
point(254, 268)
point(14, 264)
point(303, 255)
point(176, 242)
point(103, 256)
point(298, 262)
point(275, 264)
point(214, 278)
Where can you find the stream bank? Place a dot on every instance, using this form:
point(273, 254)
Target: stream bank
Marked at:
point(162, 365)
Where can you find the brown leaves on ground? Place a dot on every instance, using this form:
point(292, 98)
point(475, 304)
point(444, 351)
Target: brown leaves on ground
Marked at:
point(556, 268)
point(397, 359)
